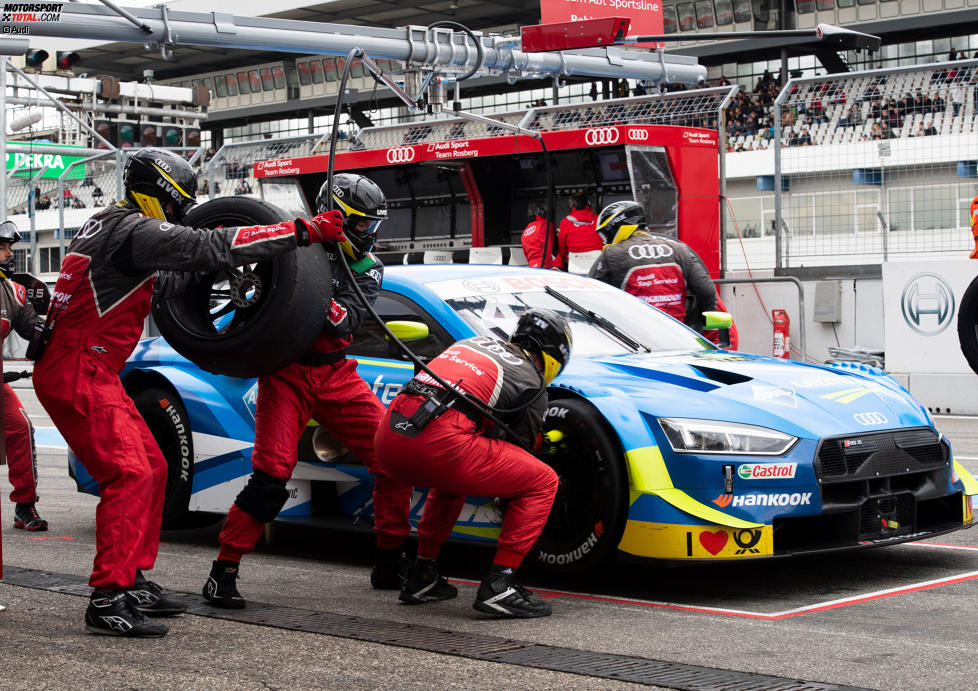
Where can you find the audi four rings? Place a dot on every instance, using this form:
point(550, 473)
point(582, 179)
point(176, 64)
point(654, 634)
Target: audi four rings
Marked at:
point(650, 251)
point(601, 135)
point(686, 452)
point(400, 154)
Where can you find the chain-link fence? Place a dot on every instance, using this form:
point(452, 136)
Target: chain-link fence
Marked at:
point(872, 166)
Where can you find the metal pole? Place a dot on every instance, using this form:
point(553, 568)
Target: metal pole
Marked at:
point(129, 17)
point(115, 108)
point(32, 212)
point(721, 124)
point(801, 302)
point(778, 206)
point(61, 195)
point(3, 133)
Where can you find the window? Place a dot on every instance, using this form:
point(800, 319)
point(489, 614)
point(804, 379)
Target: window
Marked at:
point(305, 76)
point(267, 81)
point(846, 3)
point(825, 4)
point(333, 68)
point(724, 12)
point(799, 219)
point(370, 340)
point(687, 19)
point(255, 81)
point(670, 22)
point(316, 68)
point(50, 259)
point(934, 207)
point(741, 10)
point(232, 84)
point(704, 14)
point(278, 77)
point(20, 261)
point(357, 70)
point(808, 6)
point(220, 87)
point(243, 86)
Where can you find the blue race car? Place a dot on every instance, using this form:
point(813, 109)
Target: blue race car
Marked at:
point(667, 448)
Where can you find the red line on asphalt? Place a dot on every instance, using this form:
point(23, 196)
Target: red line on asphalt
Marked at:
point(54, 537)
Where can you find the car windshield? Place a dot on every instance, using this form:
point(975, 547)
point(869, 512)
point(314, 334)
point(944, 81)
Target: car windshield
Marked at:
point(492, 304)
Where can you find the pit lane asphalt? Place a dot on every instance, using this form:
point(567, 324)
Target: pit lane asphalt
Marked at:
point(780, 617)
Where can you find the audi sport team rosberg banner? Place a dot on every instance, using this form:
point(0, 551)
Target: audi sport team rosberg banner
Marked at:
point(920, 315)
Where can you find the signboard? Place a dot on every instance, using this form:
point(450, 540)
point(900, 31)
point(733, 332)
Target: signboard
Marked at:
point(27, 165)
point(920, 315)
point(646, 15)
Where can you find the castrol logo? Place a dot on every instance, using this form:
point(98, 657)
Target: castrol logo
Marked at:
point(638, 135)
point(400, 154)
point(601, 135)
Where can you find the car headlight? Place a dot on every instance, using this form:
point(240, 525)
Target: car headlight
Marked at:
point(686, 435)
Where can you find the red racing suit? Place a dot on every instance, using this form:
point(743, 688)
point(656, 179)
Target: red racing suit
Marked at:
point(658, 270)
point(100, 302)
point(323, 385)
point(455, 454)
point(533, 239)
point(17, 313)
point(577, 234)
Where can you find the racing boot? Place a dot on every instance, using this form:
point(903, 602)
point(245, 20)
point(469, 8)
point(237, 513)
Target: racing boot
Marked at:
point(149, 598)
point(26, 517)
point(501, 596)
point(111, 613)
point(220, 589)
point(423, 584)
point(390, 569)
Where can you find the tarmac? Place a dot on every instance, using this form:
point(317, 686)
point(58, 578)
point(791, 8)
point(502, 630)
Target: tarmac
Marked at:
point(899, 617)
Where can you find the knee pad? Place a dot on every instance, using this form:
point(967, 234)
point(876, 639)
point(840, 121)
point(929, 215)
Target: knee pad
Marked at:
point(263, 497)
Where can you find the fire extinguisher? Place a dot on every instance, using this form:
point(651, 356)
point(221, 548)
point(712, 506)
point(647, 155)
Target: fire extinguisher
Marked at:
point(781, 322)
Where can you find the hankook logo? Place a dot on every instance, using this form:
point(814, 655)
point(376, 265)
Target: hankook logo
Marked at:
point(400, 154)
point(601, 135)
point(649, 251)
point(871, 418)
point(638, 135)
point(928, 304)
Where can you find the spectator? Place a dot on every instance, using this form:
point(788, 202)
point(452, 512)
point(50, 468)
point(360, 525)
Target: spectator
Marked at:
point(921, 132)
point(97, 192)
point(206, 189)
point(930, 129)
point(957, 98)
point(804, 139)
point(240, 188)
point(77, 203)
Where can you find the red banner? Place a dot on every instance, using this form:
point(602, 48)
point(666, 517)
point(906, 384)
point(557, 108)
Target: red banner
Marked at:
point(646, 15)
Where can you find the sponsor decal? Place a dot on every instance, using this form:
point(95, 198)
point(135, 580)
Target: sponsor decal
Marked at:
point(746, 539)
point(183, 439)
point(637, 135)
point(400, 154)
point(250, 399)
point(870, 418)
point(452, 149)
point(478, 285)
point(556, 411)
point(493, 346)
point(928, 304)
point(91, 228)
point(383, 390)
point(815, 381)
point(161, 164)
point(766, 471)
point(852, 442)
point(575, 554)
point(774, 499)
point(775, 395)
point(713, 542)
point(601, 135)
point(650, 251)
point(847, 395)
point(700, 137)
point(337, 312)
point(283, 166)
point(30, 12)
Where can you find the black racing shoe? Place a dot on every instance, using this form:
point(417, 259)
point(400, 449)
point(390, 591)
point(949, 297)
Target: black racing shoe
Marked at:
point(149, 598)
point(500, 596)
point(110, 613)
point(390, 569)
point(220, 589)
point(423, 584)
point(26, 518)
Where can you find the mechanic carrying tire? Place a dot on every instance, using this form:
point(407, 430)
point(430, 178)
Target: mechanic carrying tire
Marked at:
point(433, 439)
point(19, 315)
point(323, 385)
point(100, 301)
point(653, 268)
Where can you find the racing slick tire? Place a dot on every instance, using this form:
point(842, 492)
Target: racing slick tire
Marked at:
point(968, 325)
point(167, 420)
point(591, 507)
point(255, 319)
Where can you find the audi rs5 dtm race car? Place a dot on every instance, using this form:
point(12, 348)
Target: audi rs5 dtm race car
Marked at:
point(666, 447)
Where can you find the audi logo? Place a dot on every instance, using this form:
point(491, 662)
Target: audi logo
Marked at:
point(400, 154)
point(601, 135)
point(872, 418)
point(638, 135)
point(649, 251)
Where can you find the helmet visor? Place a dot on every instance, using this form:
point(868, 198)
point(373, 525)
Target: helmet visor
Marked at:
point(361, 232)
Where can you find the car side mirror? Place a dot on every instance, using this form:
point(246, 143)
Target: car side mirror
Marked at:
point(721, 321)
point(408, 331)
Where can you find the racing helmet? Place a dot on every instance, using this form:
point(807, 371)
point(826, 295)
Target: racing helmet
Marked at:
point(360, 199)
point(155, 177)
point(541, 330)
point(8, 233)
point(619, 220)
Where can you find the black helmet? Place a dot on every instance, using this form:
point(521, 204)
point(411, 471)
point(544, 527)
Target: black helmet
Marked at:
point(8, 233)
point(155, 177)
point(619, 220)
point(543, 331)
point(359, 198)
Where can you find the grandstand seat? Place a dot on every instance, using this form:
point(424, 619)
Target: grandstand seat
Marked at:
point(486, 255)
point(580, 262)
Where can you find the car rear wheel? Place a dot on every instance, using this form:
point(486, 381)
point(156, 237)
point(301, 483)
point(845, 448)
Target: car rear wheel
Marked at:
point(968, 325)
point(168, 422)
point(589, 512)
point(254, 319)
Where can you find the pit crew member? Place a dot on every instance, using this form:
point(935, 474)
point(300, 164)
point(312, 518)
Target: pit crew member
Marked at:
point(431, 439)
point(534, 238)
point(100, 302)
point(576, 232)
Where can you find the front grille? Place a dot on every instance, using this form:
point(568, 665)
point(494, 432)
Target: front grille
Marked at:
point(880, 454)
point(887, 515)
